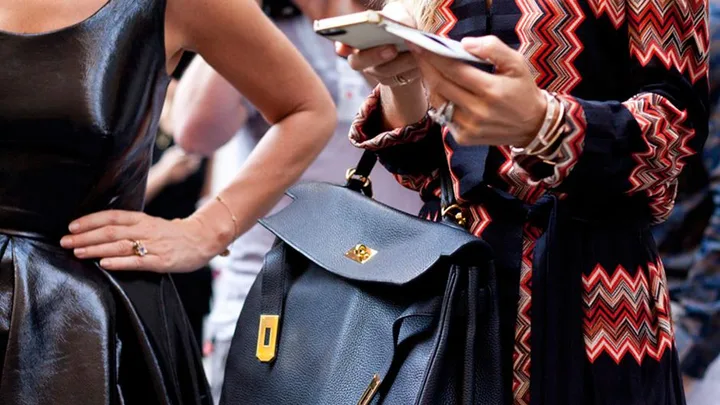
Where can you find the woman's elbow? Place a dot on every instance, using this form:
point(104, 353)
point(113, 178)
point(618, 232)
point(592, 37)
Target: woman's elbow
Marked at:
point(329, 114)
point(325, 113)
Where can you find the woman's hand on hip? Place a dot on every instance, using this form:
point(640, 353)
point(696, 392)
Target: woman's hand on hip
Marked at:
point(501, 108)
point(117, 238)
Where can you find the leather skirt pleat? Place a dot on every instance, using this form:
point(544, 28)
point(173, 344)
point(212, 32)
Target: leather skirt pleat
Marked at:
point(72, 333)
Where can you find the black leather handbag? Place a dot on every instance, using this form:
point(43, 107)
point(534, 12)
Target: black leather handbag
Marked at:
point(358, 303)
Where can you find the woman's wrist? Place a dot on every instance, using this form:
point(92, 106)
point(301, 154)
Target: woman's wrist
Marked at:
point(162, 175)
point(157, 180)
point(215, 225)
point(403, 105)
point(546, 141)
point(538, 119)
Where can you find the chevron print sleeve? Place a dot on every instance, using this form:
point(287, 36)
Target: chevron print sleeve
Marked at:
point(639, 146)
point(366, 132)
point(412, 153)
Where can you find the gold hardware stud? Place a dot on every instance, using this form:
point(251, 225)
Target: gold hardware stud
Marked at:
point(370, 391)
point(460, 219)
point(360, 253)
point(351, 174)
point(459, 216)
point(267, 338)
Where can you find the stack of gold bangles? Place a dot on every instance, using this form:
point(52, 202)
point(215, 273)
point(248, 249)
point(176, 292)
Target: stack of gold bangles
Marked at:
point(546, 144)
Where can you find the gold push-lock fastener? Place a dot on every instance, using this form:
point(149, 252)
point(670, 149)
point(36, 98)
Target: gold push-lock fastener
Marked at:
point(360, 253)
point(267, 338)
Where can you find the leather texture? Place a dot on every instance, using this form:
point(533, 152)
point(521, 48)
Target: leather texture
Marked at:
point(423, 315)
point(403, 245)
point(78, 112)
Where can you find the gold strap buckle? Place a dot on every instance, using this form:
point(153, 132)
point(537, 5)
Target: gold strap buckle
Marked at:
point(459, 216)
point(350, 175)
point(267, 338)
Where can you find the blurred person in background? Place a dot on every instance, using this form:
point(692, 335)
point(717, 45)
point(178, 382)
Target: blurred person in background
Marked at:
point(177, 182)
point(208, 112)
point(87, 313)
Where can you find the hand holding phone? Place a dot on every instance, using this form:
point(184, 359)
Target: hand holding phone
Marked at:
point(397, 71)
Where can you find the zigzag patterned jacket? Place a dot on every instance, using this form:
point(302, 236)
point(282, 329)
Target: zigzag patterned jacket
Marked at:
point(585, 309)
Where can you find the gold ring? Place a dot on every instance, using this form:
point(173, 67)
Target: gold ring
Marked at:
point(139, 249)
point(400, 80)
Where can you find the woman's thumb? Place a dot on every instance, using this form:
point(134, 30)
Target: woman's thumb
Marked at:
point(493, 50)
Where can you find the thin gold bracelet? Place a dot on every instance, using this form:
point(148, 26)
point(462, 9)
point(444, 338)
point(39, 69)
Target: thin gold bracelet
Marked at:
point(234, 220)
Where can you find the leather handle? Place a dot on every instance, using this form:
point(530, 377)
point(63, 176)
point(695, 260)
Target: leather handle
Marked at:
point(367, 163)
point(447, 192)
point(360, 178)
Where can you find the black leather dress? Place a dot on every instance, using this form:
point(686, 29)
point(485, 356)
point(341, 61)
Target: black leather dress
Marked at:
point(78, 112)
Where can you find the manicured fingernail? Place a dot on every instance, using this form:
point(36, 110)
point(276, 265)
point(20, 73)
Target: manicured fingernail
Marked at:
point(65, 241)
point(74, 227)
point(388, 53)
point(79, 251)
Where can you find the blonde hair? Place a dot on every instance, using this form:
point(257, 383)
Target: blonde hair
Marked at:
point(424, 12)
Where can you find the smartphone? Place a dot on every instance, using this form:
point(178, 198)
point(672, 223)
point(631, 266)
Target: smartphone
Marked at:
point(370, 29)
point(362, 31)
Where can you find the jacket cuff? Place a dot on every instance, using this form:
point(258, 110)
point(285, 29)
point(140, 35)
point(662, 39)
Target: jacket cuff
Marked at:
point(367, 130)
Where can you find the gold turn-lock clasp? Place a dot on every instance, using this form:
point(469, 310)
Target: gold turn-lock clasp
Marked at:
point(459, 216)
point(350, 174)
point(370, 391)
point(360, 253)
point(267, 338)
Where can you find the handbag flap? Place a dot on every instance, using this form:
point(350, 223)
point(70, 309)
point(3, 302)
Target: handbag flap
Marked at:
point(326, 223)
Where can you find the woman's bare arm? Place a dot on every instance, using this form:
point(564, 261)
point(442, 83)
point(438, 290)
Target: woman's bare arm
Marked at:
point(243, 45)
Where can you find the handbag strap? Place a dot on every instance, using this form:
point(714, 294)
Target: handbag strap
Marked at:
point(358, 179)
point(274, 279)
